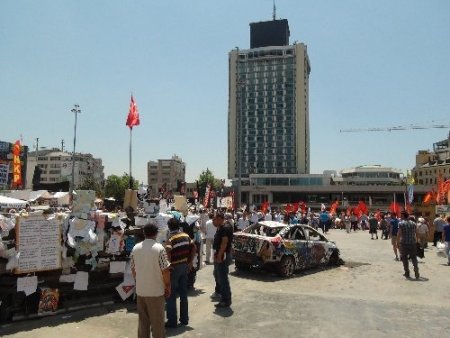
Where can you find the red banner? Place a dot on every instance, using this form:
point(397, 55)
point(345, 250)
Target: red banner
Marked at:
point(17, 167)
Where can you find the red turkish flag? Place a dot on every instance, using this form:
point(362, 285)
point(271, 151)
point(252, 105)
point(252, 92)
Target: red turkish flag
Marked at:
point(133, 114)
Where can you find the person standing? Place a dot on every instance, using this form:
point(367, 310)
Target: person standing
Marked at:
point(393, 231)
point(422, 232)
point(406, 236)
point(354, 221)
point(373, 224)
point(438, 223)
point(181, 251)
point(150, 269)
point(222, 260)
point(446, 238)
point(209, 237)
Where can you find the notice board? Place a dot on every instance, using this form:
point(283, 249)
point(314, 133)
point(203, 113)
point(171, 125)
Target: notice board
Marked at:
point(38, 242)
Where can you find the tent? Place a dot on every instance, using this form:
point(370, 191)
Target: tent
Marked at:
point(11, 203)
point(63, 198)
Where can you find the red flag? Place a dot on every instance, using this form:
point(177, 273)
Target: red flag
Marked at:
point(133, 114)
point(428, 197)
point(334, 207)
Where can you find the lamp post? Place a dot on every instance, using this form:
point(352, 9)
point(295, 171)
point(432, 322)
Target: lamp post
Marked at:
point(76, 110)
point(240, 85)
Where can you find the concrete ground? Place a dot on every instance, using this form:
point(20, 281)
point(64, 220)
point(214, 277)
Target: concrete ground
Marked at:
point(368, 296)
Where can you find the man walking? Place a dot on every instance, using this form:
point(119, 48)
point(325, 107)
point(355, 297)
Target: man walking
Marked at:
point(393, 231)
point(222, 260)
point(150, 268)
point(406, 236)
point(446, 238)
point(181, 251)
point(209, 237)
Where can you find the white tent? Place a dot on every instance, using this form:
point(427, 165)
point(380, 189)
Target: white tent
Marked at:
point(63, 198)
point(11, 203)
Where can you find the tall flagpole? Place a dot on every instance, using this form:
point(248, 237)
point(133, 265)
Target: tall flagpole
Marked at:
point(131, 177)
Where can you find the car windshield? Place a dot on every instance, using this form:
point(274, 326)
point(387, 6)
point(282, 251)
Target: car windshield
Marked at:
point(263, 230)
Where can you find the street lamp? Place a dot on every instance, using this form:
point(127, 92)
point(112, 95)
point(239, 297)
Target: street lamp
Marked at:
point(240, 85)
point(76, 110)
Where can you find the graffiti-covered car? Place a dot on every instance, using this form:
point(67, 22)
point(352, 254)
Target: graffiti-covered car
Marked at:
point(284, 247)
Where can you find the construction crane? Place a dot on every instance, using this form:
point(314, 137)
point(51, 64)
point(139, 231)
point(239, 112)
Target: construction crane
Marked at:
point(409, 127)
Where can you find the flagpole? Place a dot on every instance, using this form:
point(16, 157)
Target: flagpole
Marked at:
point(131, 177)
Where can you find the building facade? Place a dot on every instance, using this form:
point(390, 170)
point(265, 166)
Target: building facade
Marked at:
point(430, 165)
point(56, 167)
point(326, 188)
point(268, 109)
point(165, 174)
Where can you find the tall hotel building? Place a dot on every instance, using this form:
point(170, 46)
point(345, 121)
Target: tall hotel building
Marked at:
point(268, 108)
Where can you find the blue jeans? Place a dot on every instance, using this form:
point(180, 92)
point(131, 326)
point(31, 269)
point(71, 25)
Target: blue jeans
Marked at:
point(178, 281)
point(222, 281)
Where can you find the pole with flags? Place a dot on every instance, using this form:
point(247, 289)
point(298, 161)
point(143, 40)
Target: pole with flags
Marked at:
point(132, 120)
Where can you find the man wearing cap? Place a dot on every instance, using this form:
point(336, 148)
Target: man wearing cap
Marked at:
point(406, 236)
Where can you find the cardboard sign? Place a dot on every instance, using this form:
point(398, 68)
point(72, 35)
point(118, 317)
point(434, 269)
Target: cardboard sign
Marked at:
point(38, 242)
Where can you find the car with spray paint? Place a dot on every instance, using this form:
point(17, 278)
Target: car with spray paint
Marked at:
point(285, 248)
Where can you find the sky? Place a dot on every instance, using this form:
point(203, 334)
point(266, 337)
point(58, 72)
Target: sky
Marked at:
point(377, 63)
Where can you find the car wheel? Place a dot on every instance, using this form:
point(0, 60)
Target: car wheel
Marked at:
point(286, 267)
point(241, 266)
point(335, 260)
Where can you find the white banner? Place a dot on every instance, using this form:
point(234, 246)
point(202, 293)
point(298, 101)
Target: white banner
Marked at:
point(66, 168)
point(225, 202)
point(4, 172)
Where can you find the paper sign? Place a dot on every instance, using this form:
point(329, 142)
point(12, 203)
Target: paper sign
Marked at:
point(39, 244)
point(67, 278)
point(27, 284)
point(81, 281)
point(181, 203)
point(125, 291)
point(117, 266)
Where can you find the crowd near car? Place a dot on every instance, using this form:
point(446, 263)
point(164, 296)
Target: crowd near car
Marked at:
point(284, 248)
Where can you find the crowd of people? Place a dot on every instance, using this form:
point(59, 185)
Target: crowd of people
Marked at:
point(165, 271)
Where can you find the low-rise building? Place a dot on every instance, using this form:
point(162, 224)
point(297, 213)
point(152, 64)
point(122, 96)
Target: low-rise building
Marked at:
point(56, 167)
point(165, 174)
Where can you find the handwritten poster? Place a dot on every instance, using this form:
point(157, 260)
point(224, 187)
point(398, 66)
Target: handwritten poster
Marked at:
point(38, 241)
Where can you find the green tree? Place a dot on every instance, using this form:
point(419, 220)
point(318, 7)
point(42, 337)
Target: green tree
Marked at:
point(115, 186)
point(90, 183)
point(208, 177)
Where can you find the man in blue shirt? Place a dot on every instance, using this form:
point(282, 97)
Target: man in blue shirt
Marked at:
point(393, 230)
point(446, 238)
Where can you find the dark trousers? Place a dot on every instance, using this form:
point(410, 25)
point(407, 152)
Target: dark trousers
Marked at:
point(179, 287)
point(437, 237)
point(221, 277)
point(409, 250)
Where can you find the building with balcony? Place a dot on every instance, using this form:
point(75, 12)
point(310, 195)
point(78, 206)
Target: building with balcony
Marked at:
point(56, 167)
point(430, 165)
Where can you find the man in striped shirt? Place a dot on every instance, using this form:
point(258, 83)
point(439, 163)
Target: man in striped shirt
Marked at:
point(181, 251)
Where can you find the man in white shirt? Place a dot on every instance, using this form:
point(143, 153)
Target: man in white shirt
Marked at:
point(150, 268)
point(210, 231)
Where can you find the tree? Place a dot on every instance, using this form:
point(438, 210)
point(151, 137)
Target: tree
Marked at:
point(90, 183)
point(115, 186)
point(207, 177)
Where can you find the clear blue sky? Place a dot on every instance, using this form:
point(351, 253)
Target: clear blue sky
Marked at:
point(374, 64)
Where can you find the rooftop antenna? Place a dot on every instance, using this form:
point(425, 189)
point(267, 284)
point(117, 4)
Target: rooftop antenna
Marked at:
point(274, 15)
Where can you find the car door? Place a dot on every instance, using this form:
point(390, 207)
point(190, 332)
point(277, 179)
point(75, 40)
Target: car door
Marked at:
point(298, 246)
point(316, 246)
